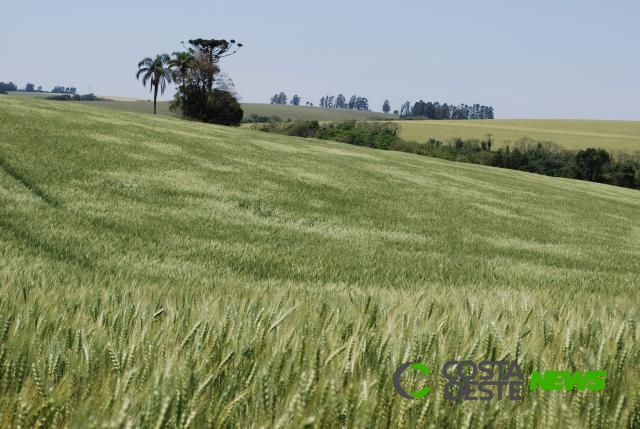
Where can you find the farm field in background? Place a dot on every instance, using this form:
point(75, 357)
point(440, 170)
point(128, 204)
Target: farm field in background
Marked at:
point(283, 111)
point(571, 134)
point(179, 274)
point(310, 113)
point(568, 133)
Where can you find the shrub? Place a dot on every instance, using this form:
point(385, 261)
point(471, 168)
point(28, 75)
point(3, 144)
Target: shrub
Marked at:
point(74, 97)
point(61, 97)
point(368, 134)
point(260, 119)
point(224, 109)
point(221, 107)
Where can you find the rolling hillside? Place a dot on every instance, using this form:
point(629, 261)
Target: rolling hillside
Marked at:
point(183, 274)
point(285, 112)
point(571, 134)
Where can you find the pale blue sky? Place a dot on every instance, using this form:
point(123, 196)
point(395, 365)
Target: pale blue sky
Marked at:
point(533, 59)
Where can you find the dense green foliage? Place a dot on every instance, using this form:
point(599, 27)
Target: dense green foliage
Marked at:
point(379, 135)
point(60, 89)
point(435, 110)
point(74, 97)
point(165, 273)
point(9, 86)
point(202, 94)
point(595, 165)
point(254, 118)
point(218, 107)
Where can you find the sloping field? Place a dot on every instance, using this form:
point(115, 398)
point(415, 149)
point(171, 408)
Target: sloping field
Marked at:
point(571, 134)
point(285, 112)
point(163, 273)
point(310, 113)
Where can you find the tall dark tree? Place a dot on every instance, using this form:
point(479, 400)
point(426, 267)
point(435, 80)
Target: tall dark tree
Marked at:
point(590, 163)
point(206, 94)
point(210, 51)
point(405, 109)
point(352, 102)
point(295, 100)
point(9, 86)
point(328, 101)
point(157, 73)
point(280, 98)
point(180, 65)
point(386, 107)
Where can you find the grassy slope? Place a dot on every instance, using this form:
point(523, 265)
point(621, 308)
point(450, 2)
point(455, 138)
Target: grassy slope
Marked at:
point(277, 260)
point(284, 112)
point(308, 113)
point(572, 134)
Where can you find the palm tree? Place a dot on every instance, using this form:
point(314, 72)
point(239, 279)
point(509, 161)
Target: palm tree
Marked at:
point(180, 64)
point(156, 72)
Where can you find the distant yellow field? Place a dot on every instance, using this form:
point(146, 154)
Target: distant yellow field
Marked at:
point(571, 134)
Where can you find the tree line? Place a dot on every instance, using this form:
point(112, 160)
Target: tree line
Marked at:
point(30, 87)
point(419, 109)
point(282, 98)
point(59, 89)
point(327, 101)
point(204, 93)
point(547, 158)
point(340, 102)
point(435, 110)
point(10, 86)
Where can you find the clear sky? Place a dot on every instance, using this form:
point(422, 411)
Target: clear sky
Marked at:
point(528, 59)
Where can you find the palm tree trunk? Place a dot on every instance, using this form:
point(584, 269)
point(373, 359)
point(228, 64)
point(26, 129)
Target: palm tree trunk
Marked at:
point(155, 97)
point(184, 94)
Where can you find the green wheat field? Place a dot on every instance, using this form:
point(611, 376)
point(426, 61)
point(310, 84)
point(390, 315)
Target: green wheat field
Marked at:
point(158, 273)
